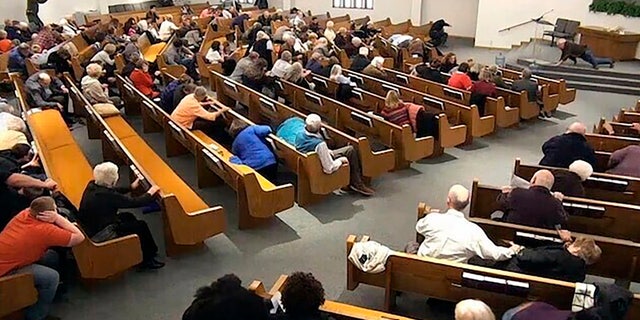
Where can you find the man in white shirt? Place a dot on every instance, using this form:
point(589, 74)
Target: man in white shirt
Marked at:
point(311, 140)
point(281, 65)
point(167, 27)
point(450, 236)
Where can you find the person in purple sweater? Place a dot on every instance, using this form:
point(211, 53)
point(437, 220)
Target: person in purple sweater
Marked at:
point(625, 162)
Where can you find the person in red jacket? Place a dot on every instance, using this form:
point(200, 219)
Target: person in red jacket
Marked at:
point(460, 79)
point(482, 89)
point(143, 81)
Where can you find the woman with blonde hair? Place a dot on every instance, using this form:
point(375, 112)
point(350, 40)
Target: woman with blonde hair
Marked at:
point(295, 74)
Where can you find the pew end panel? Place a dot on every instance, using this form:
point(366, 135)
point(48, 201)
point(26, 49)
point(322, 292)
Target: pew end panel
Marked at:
point(566, 94)
point(451, 136)
point(311, 186)
point(96, 260)
point(16, 293)
point(505, 116)
point(183, 229)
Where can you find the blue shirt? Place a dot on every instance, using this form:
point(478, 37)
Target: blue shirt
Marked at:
point(250, 148)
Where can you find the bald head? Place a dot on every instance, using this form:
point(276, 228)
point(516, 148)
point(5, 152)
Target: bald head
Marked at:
point(458, 197)
point(577, 127)
point(472, 309)
point(543, 178)
point(560, 43)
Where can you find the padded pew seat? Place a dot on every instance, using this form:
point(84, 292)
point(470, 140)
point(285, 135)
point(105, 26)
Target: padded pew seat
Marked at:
point(162, 174)
point(265, 184)
point(120, 127)
point(151, 53)
point(55, 132)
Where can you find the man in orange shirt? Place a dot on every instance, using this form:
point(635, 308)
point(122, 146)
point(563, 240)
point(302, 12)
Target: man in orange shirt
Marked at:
point(5, 44)
point(24, 248)
point(191, 114)
point(460, 79)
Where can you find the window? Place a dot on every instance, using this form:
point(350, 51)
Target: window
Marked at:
point(353, 4)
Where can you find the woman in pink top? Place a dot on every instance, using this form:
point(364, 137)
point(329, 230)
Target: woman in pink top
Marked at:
point(191, 114)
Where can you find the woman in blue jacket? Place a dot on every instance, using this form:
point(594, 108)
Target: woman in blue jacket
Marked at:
point(250, 148)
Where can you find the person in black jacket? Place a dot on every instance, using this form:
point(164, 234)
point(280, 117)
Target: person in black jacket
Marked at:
point(569, 182)
point(98, 213)
point(437, 34)
point(562, 150)
point(261, 4)
point(430, 71)
point(361, 60)
point(60, 61)
point(566, 262)
point(33, 7)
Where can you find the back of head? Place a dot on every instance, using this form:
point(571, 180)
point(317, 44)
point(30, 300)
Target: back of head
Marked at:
point(286, 56)
point(435, 63)
point(254, 55)
point(200, 93)
point(485, 75)
point(356, 42)
point(42, 204)
point(377, 61)
point(189, 88)
point(20, 150)
point(582, 168)
point(226, 299)
point(293, 72)
point(363, 51)
point(330, 24)
point(94, 70)
point(577, 127)
point(313, 123)
point(463, 67)
point(336, 70)
point(458, 197)
point(185, 79)
point(493, 69)
point(302, 295)
point(589, 251)
point(392, 99)
point(110, 48)
point(526, 73)
point(472, 309)
point(543, 178)
point(106, 174)
point(236, 127)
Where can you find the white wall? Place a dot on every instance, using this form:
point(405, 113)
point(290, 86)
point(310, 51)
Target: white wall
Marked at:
point(397, 10)
point(497, 14)
point(52, 11)
point(463, 21)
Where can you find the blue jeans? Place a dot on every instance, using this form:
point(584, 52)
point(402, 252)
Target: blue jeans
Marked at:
point(593, 60)
point(46, 281)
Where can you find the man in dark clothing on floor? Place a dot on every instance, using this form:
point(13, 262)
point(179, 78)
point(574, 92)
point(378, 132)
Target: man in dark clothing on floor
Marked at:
point(536, 206)
point(571, 50)
point(562, 150)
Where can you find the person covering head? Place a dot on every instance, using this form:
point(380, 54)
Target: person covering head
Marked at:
point(582, 168)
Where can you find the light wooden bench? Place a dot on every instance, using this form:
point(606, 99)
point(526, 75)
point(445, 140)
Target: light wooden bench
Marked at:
point(188, 220)
point(334, 309)
point(57, 149)
point(619, 258)
point(452, 281)
point(149, 51)
point(459, 115)
point(258, 199)
point(175, 70)
point(628, 116)
point(559, 93)
point(401, 139)
point(506, 115)
point(313, 184)
point(374, 163)
point(16, 293)
point(4, 67)
point(607, 219)
point(620, 129)
point(600, 186)
point(140, 14)
point(604, 145)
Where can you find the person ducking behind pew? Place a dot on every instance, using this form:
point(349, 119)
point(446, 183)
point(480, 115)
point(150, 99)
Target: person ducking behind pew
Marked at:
point(98, 212)
point(472, 309)
point(450, 236)
point(25, 249)
point(562, 150)
point(191, 114)
point(250, 148)
point(535, 207)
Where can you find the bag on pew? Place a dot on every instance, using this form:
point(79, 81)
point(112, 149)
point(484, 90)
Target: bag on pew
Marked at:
point(106, 109)
point(369, 256)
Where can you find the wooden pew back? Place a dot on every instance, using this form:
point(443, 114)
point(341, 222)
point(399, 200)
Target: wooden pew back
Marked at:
point(588, 216)
point(608, 143)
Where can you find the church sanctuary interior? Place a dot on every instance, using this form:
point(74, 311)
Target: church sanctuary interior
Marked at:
point(319, 160)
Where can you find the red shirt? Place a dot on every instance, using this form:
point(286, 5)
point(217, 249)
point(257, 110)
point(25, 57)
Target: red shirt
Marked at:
point(143, 82)
point(484, 88)
point(25, 239)
point(460, 80)
point(5, 45)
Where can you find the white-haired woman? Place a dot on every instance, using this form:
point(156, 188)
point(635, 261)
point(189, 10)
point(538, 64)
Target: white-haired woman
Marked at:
point(569, 183)
point(376, 68)
point(329, 32)
point(264, 47)
point(95, 91)
point(98, 213)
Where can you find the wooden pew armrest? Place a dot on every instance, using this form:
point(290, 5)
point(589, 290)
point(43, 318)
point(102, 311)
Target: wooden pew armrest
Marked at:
point(190, 228)
point(96, 260)
point(16, 292)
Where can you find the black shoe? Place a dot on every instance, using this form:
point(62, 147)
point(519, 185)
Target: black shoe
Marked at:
point(150, 265)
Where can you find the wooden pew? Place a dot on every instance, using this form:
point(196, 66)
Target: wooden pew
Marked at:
point(608, 143)
point(188, 220)
point(619, 129)
point(558, 91)
point(149, 51)
point(608, 219)
point(505, 115)
point(619, 258)
point(408, 148)
point(334, 309)
point(16, 293)
point(373, 163)
point(175, 70)
point(600, 186)
point(140, 14)
point(628, 116)
point(452, 281)
point(4, 67)
point(258, 199)
point(313, 184)
point(56, 149)
point(344, 117)
point(476, 126)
